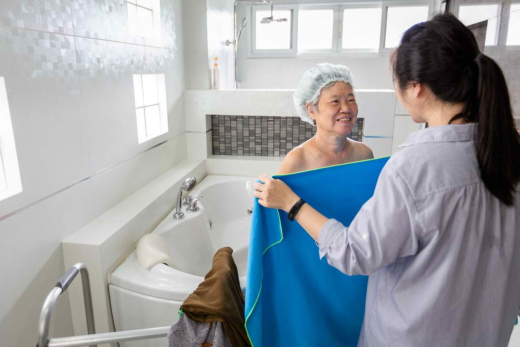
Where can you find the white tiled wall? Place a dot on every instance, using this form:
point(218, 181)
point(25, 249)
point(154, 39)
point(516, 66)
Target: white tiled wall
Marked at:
point(68, 67)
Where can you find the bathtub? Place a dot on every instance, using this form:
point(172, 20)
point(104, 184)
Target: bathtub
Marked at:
point(142, 298)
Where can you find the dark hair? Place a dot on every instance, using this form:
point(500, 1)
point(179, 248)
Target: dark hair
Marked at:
point(443, 55)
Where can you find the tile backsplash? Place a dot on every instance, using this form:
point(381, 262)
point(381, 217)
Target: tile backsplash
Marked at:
point(264, 136)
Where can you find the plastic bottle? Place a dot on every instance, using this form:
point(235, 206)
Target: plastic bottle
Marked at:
point(215, 75)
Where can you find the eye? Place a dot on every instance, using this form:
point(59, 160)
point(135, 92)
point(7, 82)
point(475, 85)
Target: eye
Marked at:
point(351, 100)
point(334, 101)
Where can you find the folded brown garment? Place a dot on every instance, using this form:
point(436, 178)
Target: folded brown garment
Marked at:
point(219, 299)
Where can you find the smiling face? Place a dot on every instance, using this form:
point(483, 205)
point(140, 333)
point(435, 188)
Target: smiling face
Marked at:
point(337, 109)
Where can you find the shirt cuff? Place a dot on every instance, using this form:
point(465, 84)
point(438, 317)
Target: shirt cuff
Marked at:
point(328, 233)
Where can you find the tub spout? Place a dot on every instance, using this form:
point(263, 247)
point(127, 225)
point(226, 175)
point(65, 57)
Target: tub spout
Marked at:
point(186, 186)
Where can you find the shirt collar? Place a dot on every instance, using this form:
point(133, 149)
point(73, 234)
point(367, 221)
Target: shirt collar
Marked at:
point(442, 133)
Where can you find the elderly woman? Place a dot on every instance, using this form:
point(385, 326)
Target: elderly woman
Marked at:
point(325, 98)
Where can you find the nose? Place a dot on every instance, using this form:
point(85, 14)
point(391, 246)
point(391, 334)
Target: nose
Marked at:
point(345, 108)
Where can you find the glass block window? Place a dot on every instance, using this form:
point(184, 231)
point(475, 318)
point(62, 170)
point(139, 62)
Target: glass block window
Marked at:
point(150, 106)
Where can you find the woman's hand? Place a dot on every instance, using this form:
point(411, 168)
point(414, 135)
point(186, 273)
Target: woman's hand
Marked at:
point(273, 193)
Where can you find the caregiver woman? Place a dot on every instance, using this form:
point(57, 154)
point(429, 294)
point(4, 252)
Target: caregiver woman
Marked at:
point(440, 238)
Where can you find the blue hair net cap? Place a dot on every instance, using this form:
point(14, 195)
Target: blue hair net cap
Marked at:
point(313, 81)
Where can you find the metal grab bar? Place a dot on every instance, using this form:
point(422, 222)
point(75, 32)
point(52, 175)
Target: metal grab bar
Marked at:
point(60, 288)
point(92, 339)
point(118, 336)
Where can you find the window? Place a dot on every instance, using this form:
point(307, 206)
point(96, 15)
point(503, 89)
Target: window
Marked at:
point(353, 27)
point(144, 18)
point(10, 182)
point(150, 106)
point(3, 182)
point(361, 28)
point(513, 31)
point(315, 29)
point(399, 19)
point(471, 14)
point(274, 32)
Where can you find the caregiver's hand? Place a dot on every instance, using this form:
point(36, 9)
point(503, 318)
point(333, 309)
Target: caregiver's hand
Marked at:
point(273, 193)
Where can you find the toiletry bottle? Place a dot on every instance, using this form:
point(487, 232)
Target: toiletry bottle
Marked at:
point(215, 75)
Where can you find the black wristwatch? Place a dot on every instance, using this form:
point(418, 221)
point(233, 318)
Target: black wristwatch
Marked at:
point(294, 210)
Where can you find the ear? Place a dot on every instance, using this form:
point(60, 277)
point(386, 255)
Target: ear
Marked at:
point(311, 110)
point(419, 90)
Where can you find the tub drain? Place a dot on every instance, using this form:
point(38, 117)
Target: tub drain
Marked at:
point(210, 224)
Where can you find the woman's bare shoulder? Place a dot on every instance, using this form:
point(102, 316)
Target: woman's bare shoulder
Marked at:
point(362, 151)
point(294, 161)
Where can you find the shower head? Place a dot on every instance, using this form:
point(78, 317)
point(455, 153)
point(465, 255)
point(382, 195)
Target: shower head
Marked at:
point(188, 184)
point(267, 20)
point(241, 29)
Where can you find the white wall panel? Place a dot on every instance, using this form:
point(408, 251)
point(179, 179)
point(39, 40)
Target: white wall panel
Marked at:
point(68, 67)
point(113, 186)
point(30, 244)
point(42, 86)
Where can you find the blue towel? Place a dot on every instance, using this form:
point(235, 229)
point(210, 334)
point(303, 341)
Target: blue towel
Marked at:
point(293, 298)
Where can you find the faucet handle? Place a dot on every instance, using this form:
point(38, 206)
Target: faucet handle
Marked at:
point(192, 205)
point(187, 200)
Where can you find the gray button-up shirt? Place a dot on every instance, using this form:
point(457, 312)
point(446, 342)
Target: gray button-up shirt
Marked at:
point(443, 254)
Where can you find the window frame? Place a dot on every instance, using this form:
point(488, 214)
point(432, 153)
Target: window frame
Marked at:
point(335, 28)
point(9, 157)
point(507, 11)
point(337, 50)
point(501, 8)
point(401, 3)
point(142, 135)
point(342, 8)
point(291, 52)
point(155, 8)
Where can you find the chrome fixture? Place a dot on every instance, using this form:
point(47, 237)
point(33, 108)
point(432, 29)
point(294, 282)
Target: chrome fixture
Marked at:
point(236, 36)
point(92, 339)
point(52, 297)
point(240, 30)
point(250, 211)
point(192, 203)
point(267, 20)
point(186, 186)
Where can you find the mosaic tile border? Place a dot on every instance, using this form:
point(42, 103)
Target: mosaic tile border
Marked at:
point(264, 136)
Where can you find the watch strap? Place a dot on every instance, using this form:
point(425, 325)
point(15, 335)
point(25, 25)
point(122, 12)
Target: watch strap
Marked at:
point(294, 210)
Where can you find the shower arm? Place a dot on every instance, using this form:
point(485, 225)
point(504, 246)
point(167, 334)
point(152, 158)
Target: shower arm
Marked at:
point(235, 34)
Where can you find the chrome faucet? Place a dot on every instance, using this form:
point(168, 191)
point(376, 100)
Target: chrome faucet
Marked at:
point(192, 203)
point(186, 186)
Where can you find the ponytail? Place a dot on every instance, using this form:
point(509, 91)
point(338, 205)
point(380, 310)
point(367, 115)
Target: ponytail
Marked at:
point(444, 55)
point(498, 143)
